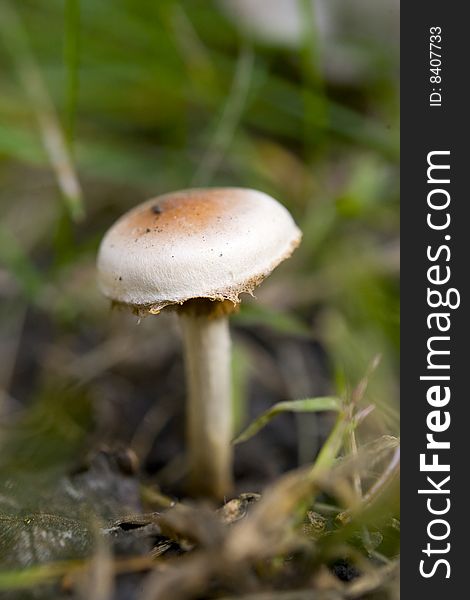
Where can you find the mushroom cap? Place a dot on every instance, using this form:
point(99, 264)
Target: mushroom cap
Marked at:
point(210, 243)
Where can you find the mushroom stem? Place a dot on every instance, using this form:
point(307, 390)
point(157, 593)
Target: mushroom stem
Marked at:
point(209, 410)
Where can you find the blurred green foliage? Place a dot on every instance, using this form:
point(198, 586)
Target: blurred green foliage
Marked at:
point(103, 104)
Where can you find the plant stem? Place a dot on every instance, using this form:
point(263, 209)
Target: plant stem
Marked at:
point(209, 410)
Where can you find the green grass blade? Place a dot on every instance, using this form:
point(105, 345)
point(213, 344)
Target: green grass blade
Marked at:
point(330, 449)
point(307, 405)
point(17, 579)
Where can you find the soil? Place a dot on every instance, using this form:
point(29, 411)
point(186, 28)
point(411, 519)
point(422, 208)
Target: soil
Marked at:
point(130, 472)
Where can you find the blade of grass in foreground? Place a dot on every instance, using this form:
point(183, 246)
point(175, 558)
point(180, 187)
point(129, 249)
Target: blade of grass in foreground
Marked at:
point(345, 422)
point(308, 405)
point(16, 41)
point(17, 579)
point(330, 449)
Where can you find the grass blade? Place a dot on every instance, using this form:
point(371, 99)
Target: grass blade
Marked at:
point(229, 119)
point(330, 449)
point(16, 41)
point(307, 405)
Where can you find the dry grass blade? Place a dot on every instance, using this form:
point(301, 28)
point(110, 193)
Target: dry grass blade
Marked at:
point(366, 461)
point(268, 529)
point(360, 389)
point(182, 523)
point(97, 581)
point(371, 581)
point(16, 41)
point(369, 456)
point(185, 578)
point(390, 472)
point(197, 525)
point(352, 445)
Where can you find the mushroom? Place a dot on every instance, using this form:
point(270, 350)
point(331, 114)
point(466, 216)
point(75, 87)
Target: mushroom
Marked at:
point(196, 251)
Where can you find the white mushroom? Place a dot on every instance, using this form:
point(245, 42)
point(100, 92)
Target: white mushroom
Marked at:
point(198, 250)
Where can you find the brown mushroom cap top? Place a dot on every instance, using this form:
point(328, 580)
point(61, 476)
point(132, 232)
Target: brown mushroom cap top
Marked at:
point(203, 243)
